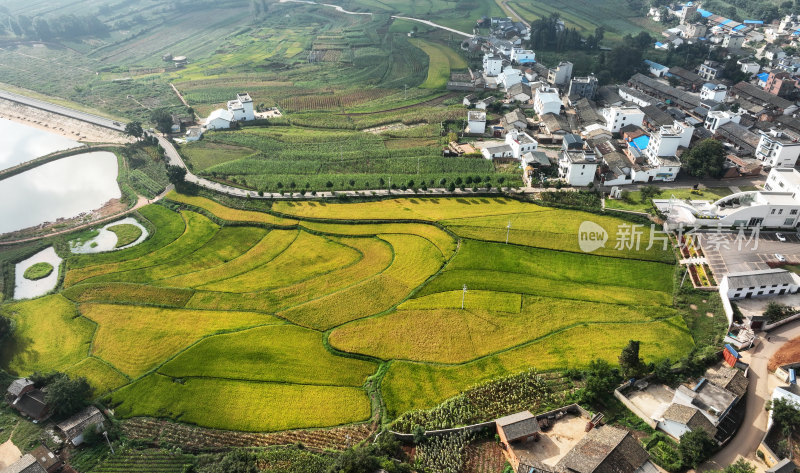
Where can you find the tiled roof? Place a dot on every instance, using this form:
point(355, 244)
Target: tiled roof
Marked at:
point(605, 449)
point(516, 426)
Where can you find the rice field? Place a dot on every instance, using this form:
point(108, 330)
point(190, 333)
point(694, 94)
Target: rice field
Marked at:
point(228, 311)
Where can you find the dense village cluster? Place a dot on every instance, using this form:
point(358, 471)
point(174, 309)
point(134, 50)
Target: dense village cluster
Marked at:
point(574, 130)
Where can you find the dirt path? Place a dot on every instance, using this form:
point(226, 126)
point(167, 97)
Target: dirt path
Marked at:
point(9, 453)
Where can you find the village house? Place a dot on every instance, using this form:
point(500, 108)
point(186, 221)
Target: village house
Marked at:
point(686, 78)
point(522, 56)
point(749, 67)
point(561, 74)
point(717, 118)
point(47, 459)
point(476, 122)
point(509, 77)
point(637, 97)
point(585, 87)
point(26, 464)
point(709, 70)
point(743, 141)
point(492, 65)
point(469, 100)
point(219, 119)
point(577, 167)
point(715, 92)
point(515, 120)
point(546, 100)
point(74, 427)
point(778, 149)
point(780, 83)
point(618, 117)
point(737, 166)
point(519, 92)
point(27, 399)
point(484, 104)
point(520, 143)
point(765, 282)
point(242, 107)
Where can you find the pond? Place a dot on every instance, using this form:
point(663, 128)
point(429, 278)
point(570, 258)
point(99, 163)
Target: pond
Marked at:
point(22, 143)
point(60, 189)
point(28, 289)
point(106, 240)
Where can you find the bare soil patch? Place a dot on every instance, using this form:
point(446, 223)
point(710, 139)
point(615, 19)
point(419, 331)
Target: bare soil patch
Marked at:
point(789, 353)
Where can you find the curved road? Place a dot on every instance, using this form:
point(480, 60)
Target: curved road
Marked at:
point(754, 425)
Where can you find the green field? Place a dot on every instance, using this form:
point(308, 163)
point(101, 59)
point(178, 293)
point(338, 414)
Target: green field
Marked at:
point(126, 234)
point(277, 322)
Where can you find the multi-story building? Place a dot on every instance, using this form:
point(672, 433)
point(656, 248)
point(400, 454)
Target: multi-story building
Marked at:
point(660, 154)
point(715, 92)
point(242, 107)
point(778, 149)
point(780, 83)
point(733, 41)
point(561, 74)
point(522, 56)
point(476, 122)
point(717, 118)
point(618, 117)
point(546, 100)
point(583, 87)
point(492, 65)
point(577, 167)
point(709, 70)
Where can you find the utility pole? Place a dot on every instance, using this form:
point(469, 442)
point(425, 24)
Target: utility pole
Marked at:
point(463, 294)
point(105, 434)
point(405, 91)
point(508, 230)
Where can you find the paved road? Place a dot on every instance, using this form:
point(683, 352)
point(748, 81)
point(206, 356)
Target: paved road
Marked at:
point(61, 110)
point(754, 425)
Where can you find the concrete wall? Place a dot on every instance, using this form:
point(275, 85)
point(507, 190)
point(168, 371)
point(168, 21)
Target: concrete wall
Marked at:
point(617, 394)
point(792, 318)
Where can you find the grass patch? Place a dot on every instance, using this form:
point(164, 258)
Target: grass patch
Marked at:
point(440, 61)
point(137, 339)
point(245, 406)
point(411, 385)
point(50, 335)
point(415, 260)
point(38, 271)
point(126, 234)
point(102, 376)
point(457, 336)
point(283, 354)
point(227, 213)
point(428, 209)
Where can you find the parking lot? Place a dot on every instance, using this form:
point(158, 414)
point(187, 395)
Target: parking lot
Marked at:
point(730, 253)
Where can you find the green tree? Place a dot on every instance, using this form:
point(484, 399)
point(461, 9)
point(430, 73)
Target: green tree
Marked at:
point(696, 447)
point(176, 174)
point(648, 192)
point(705, 159)
point(67, 396)
point(601, 380)
point(237, 461)
point(93, 434)
point(629, 361)
point(134, 129)
point(786, 414)
point(162, 119)
point(741, 466)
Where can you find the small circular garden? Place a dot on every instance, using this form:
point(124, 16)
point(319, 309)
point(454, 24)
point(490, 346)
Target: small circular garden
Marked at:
point(38, 271)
